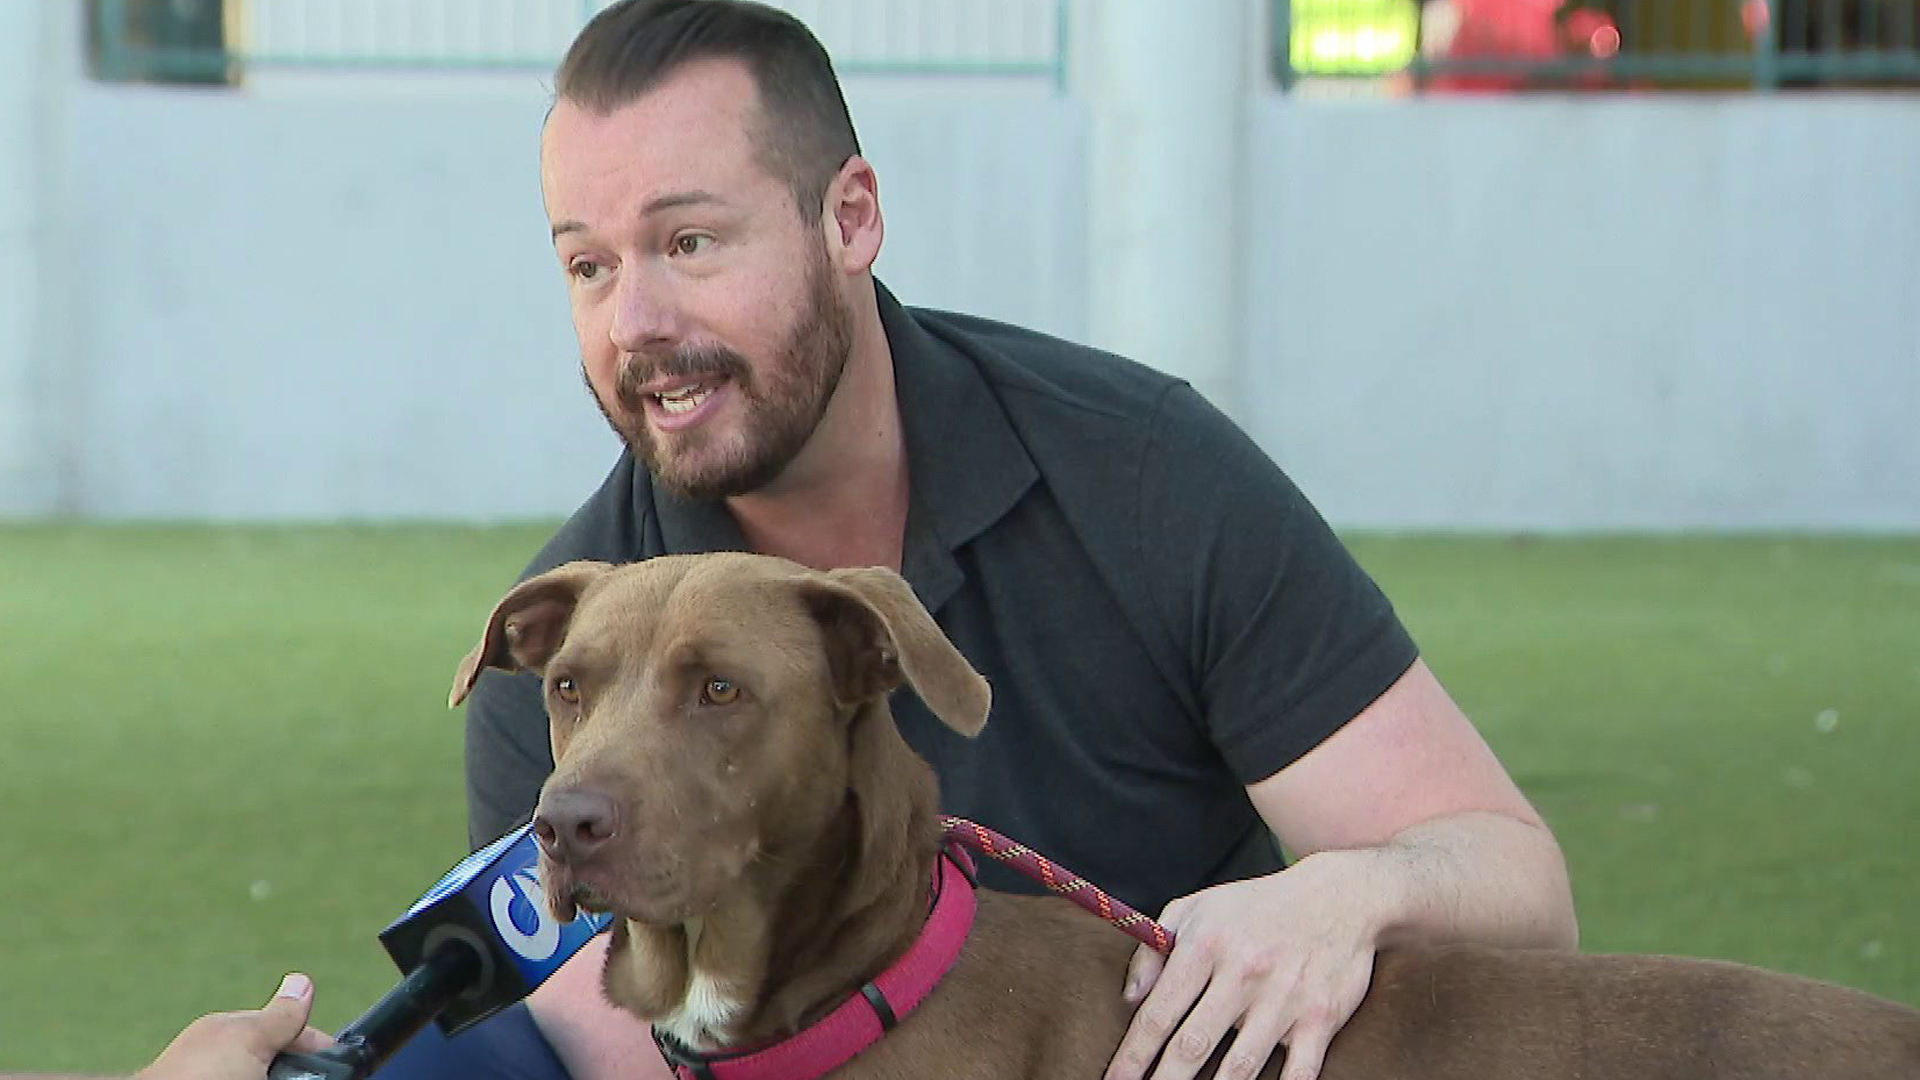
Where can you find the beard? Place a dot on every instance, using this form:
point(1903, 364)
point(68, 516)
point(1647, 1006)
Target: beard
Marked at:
point(782, 401)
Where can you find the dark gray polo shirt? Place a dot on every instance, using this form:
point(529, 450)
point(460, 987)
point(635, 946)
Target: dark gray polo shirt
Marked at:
point(1163, 617)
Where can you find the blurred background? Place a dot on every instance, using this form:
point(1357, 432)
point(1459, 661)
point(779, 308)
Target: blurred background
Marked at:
point(1595, 326)
point(1643, 264)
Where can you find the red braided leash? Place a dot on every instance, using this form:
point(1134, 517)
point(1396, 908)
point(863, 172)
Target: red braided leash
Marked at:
point(1059, 880)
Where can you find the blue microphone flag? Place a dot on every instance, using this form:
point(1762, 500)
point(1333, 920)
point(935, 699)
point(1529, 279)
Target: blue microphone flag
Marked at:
point(494, 901)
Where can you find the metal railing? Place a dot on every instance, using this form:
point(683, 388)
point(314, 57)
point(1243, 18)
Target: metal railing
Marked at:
point(217, 40)
point(1601, 44)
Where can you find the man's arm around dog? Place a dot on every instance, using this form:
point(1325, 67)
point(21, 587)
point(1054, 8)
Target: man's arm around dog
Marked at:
point(1408, 830)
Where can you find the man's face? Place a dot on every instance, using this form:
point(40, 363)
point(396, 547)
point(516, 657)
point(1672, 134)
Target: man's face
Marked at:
point(712, 332)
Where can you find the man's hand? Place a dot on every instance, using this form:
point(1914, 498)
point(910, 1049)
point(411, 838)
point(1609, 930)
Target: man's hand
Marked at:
point(1410, 831)
point(1284, 958)
point(240, 1045)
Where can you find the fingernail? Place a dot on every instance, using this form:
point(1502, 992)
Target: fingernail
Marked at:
point(1132, 992)
point(294, 985)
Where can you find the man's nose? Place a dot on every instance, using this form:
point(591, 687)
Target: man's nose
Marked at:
point(643, 313)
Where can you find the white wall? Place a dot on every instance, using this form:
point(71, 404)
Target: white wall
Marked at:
point(35, 79)
point(1646, 313)
point(333, 296)
point(312, 301)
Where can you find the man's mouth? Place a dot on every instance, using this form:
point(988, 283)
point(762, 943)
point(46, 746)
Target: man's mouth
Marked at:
point(685, 399)
point(680, 403)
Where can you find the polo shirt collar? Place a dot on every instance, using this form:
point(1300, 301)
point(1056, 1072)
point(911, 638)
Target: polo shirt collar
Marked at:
point(966, 466)
point(694, 525)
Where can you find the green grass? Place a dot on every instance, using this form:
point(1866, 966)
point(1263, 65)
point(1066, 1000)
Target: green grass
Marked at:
point(224, 753)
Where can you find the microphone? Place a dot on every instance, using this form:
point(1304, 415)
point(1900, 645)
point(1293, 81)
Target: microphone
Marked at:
point(477, 942)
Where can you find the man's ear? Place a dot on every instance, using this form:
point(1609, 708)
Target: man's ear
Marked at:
point(850, 219)
point(878, 635)
point(527, 625)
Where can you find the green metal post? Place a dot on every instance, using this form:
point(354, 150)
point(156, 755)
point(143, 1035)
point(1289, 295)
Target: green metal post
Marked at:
point(1766, 51)
point(1280, 30)
point(115, 61)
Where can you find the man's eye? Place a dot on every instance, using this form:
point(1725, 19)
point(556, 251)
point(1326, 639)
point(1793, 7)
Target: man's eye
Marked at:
point(567, 690)
point(584, 269)
point(719, 692)
point(691, 243)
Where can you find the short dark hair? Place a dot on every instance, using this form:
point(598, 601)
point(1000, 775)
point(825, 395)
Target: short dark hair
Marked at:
point(804, 133)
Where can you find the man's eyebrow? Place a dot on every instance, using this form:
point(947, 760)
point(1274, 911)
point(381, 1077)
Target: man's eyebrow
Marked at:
point(652, 206)
point(679, 198)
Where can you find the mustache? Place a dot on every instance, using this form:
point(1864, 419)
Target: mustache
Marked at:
point(684, 362)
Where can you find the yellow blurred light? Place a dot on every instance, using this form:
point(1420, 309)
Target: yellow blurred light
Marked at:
point(1353, 37)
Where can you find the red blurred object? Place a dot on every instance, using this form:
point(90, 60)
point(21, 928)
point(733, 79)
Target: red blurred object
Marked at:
point(1591, 32)
point(1520, 30)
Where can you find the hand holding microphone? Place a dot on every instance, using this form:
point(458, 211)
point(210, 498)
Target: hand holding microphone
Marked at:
point(240, 1045)
point(477, 942)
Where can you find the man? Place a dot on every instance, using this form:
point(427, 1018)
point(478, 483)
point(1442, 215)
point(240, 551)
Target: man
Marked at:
point(1185, 661)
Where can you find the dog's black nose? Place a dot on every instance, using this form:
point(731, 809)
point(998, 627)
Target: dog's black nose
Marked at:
point(571, 825)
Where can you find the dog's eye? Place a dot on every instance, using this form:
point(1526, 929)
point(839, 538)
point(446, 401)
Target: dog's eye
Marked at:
point(719, 692)
point(567, 690)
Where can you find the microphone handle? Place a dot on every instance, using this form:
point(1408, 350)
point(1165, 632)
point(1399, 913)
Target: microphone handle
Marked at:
point(447, 972)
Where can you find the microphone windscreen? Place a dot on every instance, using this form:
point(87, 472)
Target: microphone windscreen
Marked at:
point(494, 901)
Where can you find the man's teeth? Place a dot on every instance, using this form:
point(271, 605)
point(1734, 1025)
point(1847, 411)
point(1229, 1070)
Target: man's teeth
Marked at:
point(684, 400)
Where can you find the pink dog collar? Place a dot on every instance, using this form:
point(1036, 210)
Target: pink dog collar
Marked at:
point(859, 1021)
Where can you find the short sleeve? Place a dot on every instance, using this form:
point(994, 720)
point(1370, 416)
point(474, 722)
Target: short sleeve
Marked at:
point(1286, 636)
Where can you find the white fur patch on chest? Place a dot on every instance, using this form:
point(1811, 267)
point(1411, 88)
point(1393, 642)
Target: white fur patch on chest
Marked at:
point(707, 1010)
point(704, 1015)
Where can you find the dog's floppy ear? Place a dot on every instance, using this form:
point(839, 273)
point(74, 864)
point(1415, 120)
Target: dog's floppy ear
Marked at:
point(877, 634)
point(527, 624)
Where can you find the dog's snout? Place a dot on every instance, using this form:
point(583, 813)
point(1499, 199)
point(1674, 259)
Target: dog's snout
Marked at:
point(572, 825)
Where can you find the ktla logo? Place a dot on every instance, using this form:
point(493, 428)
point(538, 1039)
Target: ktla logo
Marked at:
point(524, 885)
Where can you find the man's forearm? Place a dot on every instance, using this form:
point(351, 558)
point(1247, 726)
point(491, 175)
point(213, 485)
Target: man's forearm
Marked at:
point(1474, 877)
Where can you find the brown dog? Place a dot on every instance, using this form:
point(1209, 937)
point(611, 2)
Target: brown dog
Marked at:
point(730, 783)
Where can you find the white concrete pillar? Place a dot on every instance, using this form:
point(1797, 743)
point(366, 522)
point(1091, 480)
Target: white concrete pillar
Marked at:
point(1166, 83)
point(32, 118)
point(19, 191)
